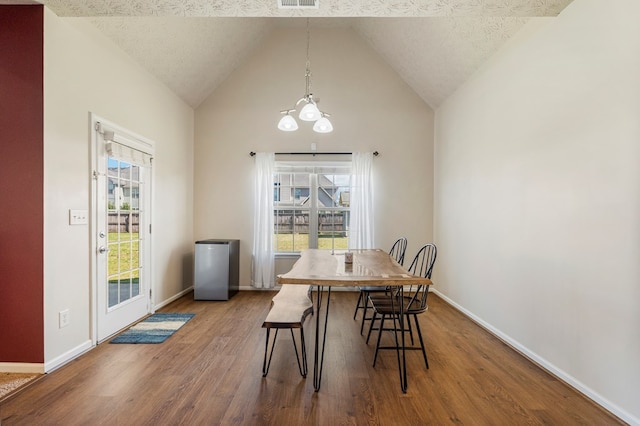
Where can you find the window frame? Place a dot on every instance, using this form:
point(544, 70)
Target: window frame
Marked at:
point(313, 170)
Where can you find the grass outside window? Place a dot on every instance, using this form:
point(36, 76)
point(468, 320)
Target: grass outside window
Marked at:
point(291, 243)
point(124, 253)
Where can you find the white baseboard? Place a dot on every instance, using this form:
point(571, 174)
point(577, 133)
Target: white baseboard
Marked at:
point(173, 298)
point(250, 288)
point(546, 365)
point(22, 367)
point(67, 356)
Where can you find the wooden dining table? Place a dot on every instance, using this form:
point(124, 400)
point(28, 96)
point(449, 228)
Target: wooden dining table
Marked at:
point(327, 269)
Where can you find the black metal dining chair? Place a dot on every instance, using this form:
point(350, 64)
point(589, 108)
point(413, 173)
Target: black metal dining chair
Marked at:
point(397, 251)
point(414, 302)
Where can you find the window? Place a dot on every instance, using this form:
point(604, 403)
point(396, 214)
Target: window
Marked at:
point(311, 206)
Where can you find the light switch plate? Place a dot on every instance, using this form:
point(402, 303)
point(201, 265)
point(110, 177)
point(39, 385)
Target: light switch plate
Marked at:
point(78, 217)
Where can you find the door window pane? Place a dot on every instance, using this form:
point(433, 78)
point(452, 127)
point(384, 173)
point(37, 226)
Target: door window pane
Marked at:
point(124, 184)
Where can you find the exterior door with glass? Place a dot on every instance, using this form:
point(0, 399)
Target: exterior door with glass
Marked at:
point(122, 179)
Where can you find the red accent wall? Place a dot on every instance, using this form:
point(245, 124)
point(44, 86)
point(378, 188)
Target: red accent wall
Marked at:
point(21, 184)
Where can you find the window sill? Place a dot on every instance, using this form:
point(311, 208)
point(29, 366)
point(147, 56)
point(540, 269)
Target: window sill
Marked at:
point(286, 255)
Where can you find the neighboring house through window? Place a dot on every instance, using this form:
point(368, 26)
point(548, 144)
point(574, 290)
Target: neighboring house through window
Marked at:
point(311, 206)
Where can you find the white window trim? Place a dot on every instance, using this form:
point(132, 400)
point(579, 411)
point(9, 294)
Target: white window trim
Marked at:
point(313, 168)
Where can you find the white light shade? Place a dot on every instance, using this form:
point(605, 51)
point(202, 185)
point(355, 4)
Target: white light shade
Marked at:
point(310, 112)
point(288, 124)
point(323, 126)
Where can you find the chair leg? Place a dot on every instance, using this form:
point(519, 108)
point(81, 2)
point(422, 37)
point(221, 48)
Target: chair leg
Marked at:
point(424, 353)
point(355, 313)
point(373, 320)
point(410, 329)
point(365, 308)
point(375, 355)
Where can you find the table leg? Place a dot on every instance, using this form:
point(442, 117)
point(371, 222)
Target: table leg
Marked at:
point(403, 377)
point(402, 361)
point(318, 357)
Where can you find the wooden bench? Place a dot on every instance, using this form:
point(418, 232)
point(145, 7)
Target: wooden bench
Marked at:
point(289, 309)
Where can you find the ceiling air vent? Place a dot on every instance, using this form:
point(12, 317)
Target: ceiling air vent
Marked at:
point(298, 4)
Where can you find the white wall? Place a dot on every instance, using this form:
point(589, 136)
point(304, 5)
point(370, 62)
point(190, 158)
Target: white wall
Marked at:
point(85, 73)
point(371, 107)
point(537, 199)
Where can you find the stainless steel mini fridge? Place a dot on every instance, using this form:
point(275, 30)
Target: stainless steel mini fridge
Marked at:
point(216, 269)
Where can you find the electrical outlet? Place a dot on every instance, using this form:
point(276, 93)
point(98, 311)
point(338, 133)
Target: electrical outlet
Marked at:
point(64, 317)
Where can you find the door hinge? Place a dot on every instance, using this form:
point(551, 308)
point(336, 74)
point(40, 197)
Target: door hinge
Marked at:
point(149, 228)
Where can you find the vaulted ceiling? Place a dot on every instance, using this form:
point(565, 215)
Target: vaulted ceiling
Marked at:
point(193, 45)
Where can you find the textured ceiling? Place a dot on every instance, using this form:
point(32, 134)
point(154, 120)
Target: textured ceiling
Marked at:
point(193, 45)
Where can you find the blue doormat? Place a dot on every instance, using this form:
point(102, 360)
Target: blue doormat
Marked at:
point(155, 329)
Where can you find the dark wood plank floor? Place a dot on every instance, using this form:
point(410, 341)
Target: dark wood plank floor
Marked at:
point(209, 373)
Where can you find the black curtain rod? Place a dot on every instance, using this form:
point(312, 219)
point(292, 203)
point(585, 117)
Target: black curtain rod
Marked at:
point(314, 153)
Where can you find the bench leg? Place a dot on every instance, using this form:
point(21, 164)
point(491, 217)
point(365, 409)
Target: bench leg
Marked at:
point(267, 361)
point(268, 353)
point(302, 366)
point(304, 353)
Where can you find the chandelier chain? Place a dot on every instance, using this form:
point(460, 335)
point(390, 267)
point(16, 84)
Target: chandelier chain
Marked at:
point(308, 106)
point(308, 65)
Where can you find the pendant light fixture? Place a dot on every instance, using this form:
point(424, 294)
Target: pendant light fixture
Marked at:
point(307, 106)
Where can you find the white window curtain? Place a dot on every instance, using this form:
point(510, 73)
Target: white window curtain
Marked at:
point(361, 222)
point(263, 270)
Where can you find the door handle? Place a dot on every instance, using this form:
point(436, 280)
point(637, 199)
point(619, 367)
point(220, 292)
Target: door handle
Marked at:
point(102, 249)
